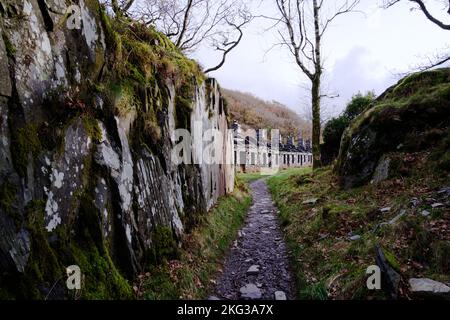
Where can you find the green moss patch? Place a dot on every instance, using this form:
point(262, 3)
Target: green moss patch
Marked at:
point(8, 198)
point(10, 49)
point(27, 144)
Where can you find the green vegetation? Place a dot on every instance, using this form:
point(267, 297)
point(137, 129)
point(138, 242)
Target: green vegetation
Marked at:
point(8, 202)
point(10, 49)
point(92, 128)
point(425, 93)
point(418, 81)
point(190, 276)
point(164, 245)
point(327, 264)
point(334, 129)
point(132, 83)
point(47, 262)
point(27, 144)
point(140, 62)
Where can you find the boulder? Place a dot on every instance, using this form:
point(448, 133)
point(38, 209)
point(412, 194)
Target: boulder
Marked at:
point(390, 278)
point(417, 103)
point(84, 174)
point(382, 171)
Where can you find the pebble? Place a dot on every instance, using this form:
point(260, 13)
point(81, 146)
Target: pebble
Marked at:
point(386, 210)
point(355, 238)
point(280, 296)
point(311, 201)
point(253, 270)
point(437, 205)
point(414, 202)
point(445, 192)
point(397, 218)
point(425, 213)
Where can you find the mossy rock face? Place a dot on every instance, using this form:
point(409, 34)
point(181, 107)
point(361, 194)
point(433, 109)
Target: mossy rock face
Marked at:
point(51, 192)
point(163, 244)
point(418, 103)
point(28, 147)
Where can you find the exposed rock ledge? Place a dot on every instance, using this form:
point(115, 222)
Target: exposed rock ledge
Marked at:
point(86, 176)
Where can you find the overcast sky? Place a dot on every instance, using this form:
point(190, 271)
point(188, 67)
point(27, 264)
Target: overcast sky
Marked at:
point(363, 52)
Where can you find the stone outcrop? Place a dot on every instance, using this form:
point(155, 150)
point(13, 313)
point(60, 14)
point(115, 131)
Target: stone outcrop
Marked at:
point(398, 120)
point(86, 137)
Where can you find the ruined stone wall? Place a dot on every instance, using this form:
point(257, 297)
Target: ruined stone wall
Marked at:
point(80, 183)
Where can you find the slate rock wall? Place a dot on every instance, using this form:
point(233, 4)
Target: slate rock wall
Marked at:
point(77, 187)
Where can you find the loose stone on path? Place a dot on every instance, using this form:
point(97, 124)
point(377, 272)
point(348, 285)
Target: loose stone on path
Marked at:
point(253, 270)
point(251, 291)
point(280, 296)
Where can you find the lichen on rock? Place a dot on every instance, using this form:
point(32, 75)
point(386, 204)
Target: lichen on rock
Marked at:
point(87, 120)
point(418, 103)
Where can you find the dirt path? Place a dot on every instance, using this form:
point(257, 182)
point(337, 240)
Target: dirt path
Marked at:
point(258, 267)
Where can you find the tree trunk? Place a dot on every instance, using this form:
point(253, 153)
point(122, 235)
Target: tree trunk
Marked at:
point(315, 91)
point(317, 162)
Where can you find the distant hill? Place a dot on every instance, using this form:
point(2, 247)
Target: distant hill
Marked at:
point(253, 112)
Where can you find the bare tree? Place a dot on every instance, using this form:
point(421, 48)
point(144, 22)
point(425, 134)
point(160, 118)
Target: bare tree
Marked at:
point(303, 26)
point(191, 23)
point(424, 8)
point(439, 58)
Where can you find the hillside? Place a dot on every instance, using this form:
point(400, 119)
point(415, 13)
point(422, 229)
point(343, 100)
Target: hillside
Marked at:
point(386, 203)
point(252, 112)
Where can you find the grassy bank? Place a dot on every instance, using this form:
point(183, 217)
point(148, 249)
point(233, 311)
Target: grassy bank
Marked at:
point(328, 264)
point(190, 274)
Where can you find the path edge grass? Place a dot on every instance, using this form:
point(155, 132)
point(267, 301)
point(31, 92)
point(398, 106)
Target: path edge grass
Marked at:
point(191, 276)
